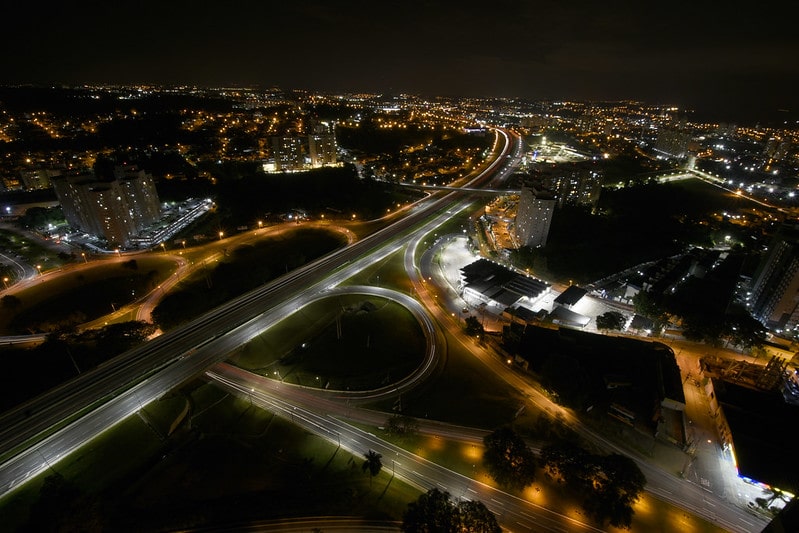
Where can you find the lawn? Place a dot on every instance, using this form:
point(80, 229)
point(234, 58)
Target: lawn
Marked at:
point(347, 342)
point(87, 293)
point(235, 462)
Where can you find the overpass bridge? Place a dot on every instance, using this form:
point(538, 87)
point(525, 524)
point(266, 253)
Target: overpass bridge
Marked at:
point(465, 190)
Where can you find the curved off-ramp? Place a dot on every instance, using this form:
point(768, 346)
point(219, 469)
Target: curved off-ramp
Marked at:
point(425, 369)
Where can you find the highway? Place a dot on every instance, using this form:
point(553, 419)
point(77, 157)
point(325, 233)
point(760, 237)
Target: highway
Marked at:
point(289, 402)
point(98, 399)
point(41, 431)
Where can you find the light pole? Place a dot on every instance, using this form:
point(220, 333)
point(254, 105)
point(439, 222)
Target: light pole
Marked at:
point(5, 281)
point(39, 268)
point(83, 254)
point(221, 234)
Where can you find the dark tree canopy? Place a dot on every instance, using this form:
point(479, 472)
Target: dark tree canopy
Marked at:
point(433, 512)
point(473, 326)
point(372, 464)
point(508, 459)
point(608, 485)
point(612, 320)
point(402, 425)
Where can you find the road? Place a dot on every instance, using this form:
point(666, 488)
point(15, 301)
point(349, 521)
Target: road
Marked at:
point(316, 415)
point(58, 421)
point(168, 360)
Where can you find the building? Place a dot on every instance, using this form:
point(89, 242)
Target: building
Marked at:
point(498, 287)
point(774, 299)
point(755, 425)
point(570, 183)
point(533, 217)
point(114, 210)
point(777, 149)
point(673, 143)
point(631, 380)
point(142, 197)
point(37, 179)
point(322, 145)
point(288, 153)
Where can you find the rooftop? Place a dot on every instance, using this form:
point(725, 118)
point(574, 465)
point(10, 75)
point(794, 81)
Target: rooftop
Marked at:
point(761, 424)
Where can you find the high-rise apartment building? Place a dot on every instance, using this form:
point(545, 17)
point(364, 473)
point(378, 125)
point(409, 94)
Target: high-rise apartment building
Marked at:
point(288, 152)
point(774, 297)
point(576, 186)
point(777, 148)
point(322, 145)
point(140, 192)
point(533, 217)
point(673, 143)
point(115, 210)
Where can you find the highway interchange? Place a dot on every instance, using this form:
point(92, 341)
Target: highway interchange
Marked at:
point(37, 434)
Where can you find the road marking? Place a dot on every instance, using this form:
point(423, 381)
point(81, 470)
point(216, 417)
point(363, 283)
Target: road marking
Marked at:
point(523, 524)
point(497, 501)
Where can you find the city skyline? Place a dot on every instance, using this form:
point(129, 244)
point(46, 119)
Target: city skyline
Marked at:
point(731, 65)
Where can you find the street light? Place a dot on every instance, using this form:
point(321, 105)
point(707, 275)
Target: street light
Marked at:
point(39, 267)
point(84, 257)
point(5, 280)
point(221, 234)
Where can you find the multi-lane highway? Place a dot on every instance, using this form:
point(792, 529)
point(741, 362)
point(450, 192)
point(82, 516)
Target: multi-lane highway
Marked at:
point(41, 431)
point(35, 435)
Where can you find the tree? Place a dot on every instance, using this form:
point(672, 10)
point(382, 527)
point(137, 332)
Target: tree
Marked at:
point(564, 461)
point(9, 301)
point(645, 305)
point(402, 425)
point(616, 485)
point(372, 464)
point(473, 326)
point(476, 517)
point(508, 459)
point(608, 485)
point(430, 513)
point(434, 512)
point(744, 331)
point(114, 339)
point(612, 320)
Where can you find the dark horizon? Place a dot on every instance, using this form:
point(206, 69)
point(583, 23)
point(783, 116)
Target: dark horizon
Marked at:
point(722, 62)
point(762, 115)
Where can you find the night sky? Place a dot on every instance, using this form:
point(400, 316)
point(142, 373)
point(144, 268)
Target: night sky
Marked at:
point(717, 58)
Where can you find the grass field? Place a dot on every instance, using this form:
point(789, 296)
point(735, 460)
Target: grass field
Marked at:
point(345, 342)
point(89, 291)
point(234, 462)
